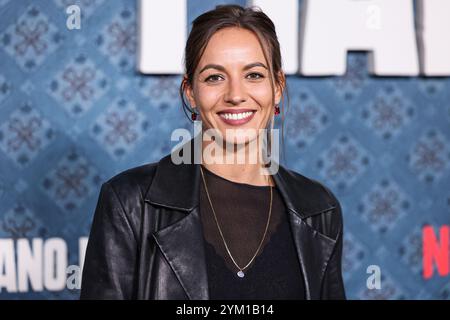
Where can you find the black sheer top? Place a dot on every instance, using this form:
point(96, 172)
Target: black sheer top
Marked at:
point(242, 212)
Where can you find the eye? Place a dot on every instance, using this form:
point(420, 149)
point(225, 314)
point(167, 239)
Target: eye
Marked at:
point(211, 77)
point(255, 75)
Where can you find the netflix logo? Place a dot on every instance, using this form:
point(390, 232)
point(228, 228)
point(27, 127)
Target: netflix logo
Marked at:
point(436, 251)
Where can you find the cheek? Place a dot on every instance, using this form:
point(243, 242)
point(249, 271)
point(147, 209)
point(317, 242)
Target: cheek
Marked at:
point(207, 98)
point(263, 96)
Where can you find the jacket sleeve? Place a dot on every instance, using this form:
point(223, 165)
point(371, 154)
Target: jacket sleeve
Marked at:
point(110, 261)
point(333, 285)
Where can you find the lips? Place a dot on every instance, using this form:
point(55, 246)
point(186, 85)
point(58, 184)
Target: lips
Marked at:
point(236, 117)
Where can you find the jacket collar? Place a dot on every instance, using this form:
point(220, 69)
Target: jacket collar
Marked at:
point(177, 186)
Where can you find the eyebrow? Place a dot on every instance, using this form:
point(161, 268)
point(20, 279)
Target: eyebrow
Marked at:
point(222, 68)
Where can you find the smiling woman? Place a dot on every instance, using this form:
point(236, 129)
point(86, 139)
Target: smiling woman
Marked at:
point(237, 93)
point(219, 230)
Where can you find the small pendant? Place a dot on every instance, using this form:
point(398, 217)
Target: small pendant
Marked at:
point(240, 274)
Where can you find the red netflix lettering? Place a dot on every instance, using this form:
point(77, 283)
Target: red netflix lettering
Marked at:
point(435, 250)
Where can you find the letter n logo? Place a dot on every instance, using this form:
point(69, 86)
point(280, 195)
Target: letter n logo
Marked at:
point(434, 250)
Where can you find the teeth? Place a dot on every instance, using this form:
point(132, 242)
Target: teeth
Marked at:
point(236, 116)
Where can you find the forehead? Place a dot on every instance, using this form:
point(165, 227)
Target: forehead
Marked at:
point(233, 46)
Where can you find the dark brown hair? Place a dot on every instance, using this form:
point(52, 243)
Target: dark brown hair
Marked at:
point(224, 16)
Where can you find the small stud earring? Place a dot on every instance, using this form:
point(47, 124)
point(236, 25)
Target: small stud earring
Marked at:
point(277, 109)
point(193, 115)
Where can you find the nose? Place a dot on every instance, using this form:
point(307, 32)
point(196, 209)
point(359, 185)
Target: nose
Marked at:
point(235, 93)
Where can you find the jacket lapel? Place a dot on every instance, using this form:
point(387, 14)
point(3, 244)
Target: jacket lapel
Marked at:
point(313, 250)
point(182, 245)
point(177, 187)
point(305, 200)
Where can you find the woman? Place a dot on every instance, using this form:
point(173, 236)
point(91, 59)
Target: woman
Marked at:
point(219, 230)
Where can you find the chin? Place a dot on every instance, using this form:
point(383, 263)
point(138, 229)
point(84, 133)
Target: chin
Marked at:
point(240, 139)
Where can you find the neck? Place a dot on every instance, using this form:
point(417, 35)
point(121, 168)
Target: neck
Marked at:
point(249, 172)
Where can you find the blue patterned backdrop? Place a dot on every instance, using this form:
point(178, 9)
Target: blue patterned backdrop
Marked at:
point(74, 112)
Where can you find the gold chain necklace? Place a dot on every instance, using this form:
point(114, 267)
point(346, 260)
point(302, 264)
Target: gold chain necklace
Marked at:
point(240, 273)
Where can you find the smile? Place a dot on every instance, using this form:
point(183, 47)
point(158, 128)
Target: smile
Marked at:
point(237, 118)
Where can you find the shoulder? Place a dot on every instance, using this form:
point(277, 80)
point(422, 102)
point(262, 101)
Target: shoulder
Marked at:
point(318, 202)
point(128, 188)
point(312, 185)
point(136, 179)
point(317, 192)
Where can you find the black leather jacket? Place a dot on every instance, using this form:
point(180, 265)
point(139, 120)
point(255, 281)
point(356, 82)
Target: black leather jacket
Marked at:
point(146, 237)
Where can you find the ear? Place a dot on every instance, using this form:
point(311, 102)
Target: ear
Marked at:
point(189, 92)
point(280, 85)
